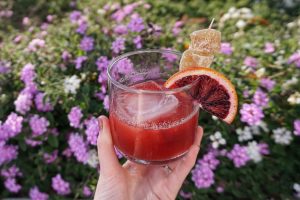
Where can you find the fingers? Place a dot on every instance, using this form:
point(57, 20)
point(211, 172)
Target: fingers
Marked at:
point(187, 162)
point(106, 152)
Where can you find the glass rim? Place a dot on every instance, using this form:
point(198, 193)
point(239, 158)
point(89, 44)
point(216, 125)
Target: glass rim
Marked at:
point(133, 90)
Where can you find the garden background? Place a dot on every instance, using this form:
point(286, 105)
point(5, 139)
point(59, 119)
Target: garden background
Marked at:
point(53, 85)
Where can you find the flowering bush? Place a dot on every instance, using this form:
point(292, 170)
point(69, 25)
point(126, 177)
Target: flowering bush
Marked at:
point(53, 85)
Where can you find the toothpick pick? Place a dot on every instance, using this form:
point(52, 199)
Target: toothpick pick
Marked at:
point(211, 23)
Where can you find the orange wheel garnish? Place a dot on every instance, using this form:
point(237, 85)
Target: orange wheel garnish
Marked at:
point(213, 91)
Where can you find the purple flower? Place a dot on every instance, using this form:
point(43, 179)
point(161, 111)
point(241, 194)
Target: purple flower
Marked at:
point(202, 176)
point(26, 21)
point(118, 45)
point(79, 61)
point(102, 78)
point(138, 42)
point(120, 29)
point(269, 47)
point(246, 93)
point(36, 44)
point(44, 26)
point(42, 104)
point(87, 43)
point(4, 67)
point(61, 186)
point(267, 83)
point(106, 102)
point(7, 152)
point(82, 28)
point(102, 63)
point(220, 189)
point(250, 62)
point(32, 143)
point(297, 127)
point(75, 16)
point(23, 102)
point(264, 148)
point(185, 195)
point(78, 147)
point(38, 125)
point(12, 185)
point(36, 194)
point(136, 24)
point(251, 114)
point(295, 58)
point(92, 131)
point(177, 27)
point(12, 125)
point(226, 48)
point(11, 172)
point(50, 158)
point(169, 56)
point(238, 155)
point(120, 14)
point(67, 152)
point(260, 98)
point(125, 66)
point(209, 160)
point(75, 116)
point(66, 56)
point(50, 18)
point(18, 39)
point(86, 191)
point(28, 74)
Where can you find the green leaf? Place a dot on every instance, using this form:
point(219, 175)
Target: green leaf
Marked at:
point(53, 141)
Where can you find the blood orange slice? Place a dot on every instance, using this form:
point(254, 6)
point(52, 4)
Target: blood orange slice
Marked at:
point(214, 92)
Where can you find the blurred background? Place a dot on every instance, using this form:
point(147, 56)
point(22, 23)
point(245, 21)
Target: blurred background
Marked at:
point(53, 85)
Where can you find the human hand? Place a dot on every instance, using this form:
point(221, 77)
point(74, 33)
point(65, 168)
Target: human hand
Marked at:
point(139, 182)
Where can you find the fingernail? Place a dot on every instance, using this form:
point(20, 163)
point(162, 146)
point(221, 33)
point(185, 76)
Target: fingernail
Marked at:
point(100, 124)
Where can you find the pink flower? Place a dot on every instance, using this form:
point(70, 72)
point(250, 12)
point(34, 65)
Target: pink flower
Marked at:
point(26, 21)
point(12, 185)
point(251, 62)
point(269, 47)
point(226, 48)
point(61, 186)
point(36, 194)
point(36, 44)
point(50, 158)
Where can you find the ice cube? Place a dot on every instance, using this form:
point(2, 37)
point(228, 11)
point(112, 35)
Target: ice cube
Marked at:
point(144, 107)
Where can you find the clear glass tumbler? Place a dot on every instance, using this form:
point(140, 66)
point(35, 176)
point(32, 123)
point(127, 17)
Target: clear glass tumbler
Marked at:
point(149, 123)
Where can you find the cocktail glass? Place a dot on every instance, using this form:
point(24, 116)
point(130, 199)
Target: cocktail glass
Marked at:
point(150, 124)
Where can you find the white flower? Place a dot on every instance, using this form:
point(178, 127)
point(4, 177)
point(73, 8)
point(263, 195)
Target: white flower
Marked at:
point(244, 135)
point(294, 98)
point(287, 84)
point(260, 73)
point(71, 84)
point(291, 25)
point(253, 151)
point(93, 160)
point(282, 136)
point(241, 24)
point(296, 187)
point(231, 10)
point(214, 118)
point(217, 140)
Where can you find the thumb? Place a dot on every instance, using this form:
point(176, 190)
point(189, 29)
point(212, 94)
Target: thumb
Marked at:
point(107, 157)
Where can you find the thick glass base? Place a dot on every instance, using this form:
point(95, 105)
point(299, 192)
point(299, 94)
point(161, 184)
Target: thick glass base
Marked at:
point(152, 162)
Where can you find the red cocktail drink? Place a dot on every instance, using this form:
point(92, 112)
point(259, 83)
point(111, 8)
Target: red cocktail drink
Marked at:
point(153, 127)
point(149, 123)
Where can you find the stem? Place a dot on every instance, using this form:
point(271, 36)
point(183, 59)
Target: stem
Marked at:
point(211, 23)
